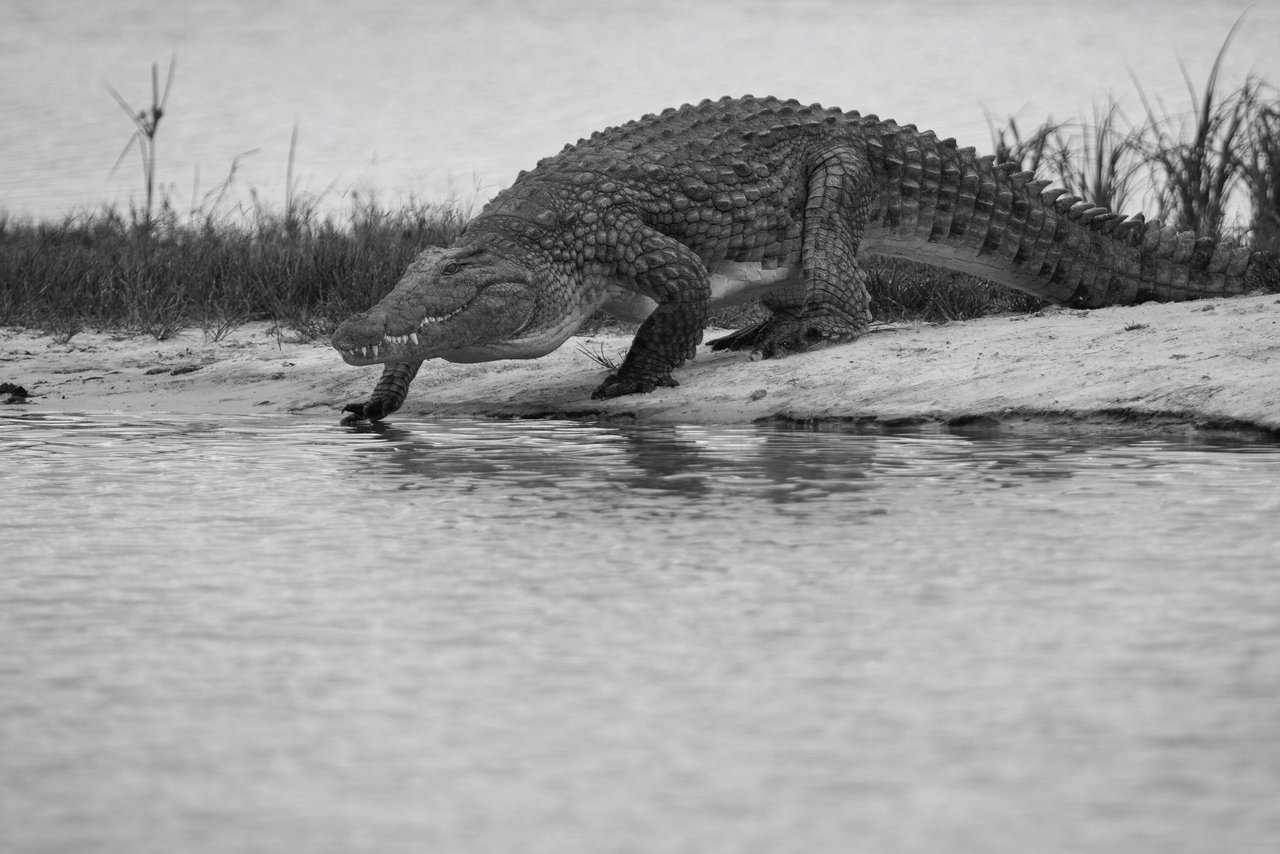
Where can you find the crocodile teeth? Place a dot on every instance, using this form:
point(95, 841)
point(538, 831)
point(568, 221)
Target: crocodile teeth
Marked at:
point(411, 338)
point(438, 318)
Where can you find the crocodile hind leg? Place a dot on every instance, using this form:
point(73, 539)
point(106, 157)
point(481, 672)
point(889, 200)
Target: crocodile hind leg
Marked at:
point(388, 395)
point(831, 305)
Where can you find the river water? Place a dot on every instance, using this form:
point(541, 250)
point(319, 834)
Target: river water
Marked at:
point(405, 98)
point(267, 634)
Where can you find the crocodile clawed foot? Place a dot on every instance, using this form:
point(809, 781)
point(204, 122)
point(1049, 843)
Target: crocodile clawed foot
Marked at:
point(743, 339)
point(615, 386)
point(373, 410)
point(773, 338)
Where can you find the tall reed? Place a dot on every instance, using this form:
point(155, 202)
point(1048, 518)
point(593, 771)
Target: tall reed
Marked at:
point(1032, 152)
point(1196, 160)
point(147, 123)
point(1100, 163)
point(1260, 170)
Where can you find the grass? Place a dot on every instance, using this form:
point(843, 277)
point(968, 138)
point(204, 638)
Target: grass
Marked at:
point(1260, 168)
point(153, 269)
point(1196, 160)
point(108, 270)
point(1213, 169)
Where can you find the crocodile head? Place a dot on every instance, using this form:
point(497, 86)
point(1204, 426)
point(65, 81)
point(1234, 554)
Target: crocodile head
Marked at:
point(470, 303)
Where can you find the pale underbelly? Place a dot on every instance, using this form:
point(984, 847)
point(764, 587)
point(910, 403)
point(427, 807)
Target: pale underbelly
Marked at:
point(731, 282)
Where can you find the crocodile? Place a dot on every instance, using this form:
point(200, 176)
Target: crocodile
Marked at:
point(747, 198)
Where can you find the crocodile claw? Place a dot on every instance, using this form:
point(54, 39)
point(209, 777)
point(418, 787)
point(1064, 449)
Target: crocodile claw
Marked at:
point(616, 387)
point(773, 338)
point(372, 410)
point(764, 340)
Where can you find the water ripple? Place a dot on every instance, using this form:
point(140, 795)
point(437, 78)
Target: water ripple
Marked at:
point(277, 630)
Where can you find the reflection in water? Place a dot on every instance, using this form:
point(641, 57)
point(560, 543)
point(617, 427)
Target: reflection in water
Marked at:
point(269, 634)
point(682, 460)
point(1082, 497)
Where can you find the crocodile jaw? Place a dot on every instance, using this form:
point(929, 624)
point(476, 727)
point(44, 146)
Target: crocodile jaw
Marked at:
point(532, 343)
point(493, 321)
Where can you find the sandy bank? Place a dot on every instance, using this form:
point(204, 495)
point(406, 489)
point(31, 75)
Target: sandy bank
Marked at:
point(1212, 364)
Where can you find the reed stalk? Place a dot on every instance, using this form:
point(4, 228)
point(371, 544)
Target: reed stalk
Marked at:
point(1260, 170)
point(1100, 162)
point(1195, 163)
point(1032, 152)
point(147, 124)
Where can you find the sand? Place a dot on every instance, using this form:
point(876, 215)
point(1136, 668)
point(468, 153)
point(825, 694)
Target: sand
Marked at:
point(1205, 365)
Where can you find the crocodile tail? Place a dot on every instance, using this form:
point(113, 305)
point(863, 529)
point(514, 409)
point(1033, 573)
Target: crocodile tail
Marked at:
point(946, 206)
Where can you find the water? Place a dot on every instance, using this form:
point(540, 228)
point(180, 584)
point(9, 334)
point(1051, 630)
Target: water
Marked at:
point(404, 98)
point(271, 635)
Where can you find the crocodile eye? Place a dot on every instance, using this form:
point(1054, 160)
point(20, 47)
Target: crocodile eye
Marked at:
point(450, 268)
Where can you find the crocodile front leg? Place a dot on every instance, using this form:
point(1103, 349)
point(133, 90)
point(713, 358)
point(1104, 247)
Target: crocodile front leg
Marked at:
point(388, 395)
point(669, 272)
point(831, 305)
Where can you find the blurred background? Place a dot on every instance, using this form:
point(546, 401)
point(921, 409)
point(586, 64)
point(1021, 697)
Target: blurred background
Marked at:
point(404, 99)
